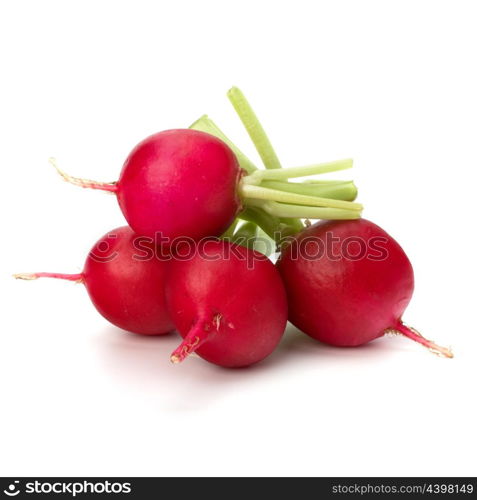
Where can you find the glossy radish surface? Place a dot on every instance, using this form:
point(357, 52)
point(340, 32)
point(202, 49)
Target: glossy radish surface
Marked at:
point(180, 183)
point(228, 303)
point(125, 281)
point(348, 283)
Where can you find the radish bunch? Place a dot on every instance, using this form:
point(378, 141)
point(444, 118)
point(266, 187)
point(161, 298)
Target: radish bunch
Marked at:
point(188, 260)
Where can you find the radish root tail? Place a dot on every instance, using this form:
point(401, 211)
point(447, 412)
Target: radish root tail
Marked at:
point(77, 278)
point(84, 183)
point(413, 334)
point(184, 350)
point(200, 332)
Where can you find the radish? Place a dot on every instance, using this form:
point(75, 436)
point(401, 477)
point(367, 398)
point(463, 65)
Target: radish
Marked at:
point(190, 183)
point(177, 183)
point(348, 283)
point(227, 302)
point(125, 281)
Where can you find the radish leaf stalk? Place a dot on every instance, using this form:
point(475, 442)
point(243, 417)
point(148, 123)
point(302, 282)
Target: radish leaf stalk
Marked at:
point(254, 128)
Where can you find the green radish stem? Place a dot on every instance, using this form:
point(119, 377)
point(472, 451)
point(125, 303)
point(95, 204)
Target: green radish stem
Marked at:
point(269, 158)
point(271, 225)
point(289, 173)
point(263, 193)
point(230, 231)
point(267, 222)
point(284, 210)
point(268, 215)
point(250, 235)
point(284, 192)
point(344, 190)
point(264, 244)
point(245, 235)
point(323, 182)
point(292, 226)
point(275, 172)
point(254, 128)
point(246, 229)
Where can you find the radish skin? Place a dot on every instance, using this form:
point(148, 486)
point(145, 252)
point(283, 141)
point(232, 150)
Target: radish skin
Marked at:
point(346, 297)
point(228, 303)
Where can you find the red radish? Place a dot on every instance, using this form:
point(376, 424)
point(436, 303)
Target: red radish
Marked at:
point(178, 183)
point(227, 302)
point(349, 282)
point(188, 183)
point(125, 281)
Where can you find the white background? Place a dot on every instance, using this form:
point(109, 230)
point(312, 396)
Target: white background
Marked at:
point(391, 84)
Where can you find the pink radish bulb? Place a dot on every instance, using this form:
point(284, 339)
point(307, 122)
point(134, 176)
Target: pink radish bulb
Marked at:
point(228, 303)
point(348, 283)
point(177, 183)
point(125, 281)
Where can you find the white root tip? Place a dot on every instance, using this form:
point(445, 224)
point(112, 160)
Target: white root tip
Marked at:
point(25, 276)
point(84, 183)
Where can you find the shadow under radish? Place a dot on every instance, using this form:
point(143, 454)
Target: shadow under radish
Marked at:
point(142, 363)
